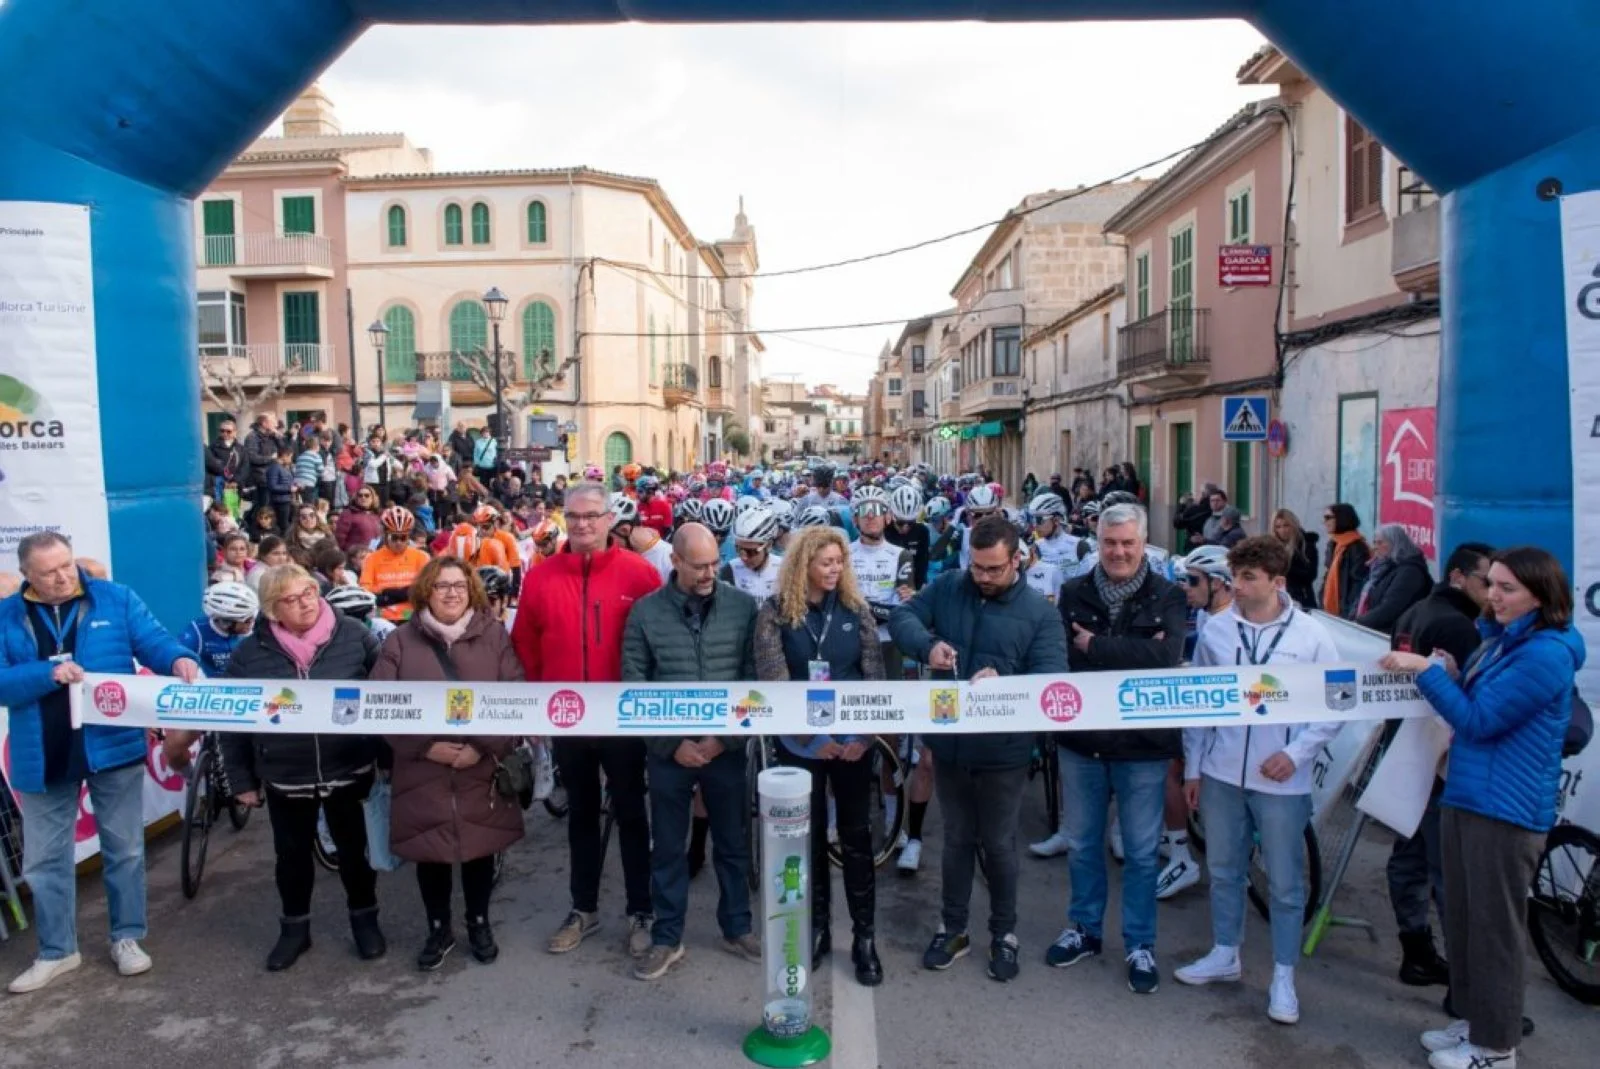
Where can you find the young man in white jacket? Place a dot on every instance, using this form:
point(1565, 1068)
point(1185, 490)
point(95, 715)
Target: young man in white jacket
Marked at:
point(1256, 779)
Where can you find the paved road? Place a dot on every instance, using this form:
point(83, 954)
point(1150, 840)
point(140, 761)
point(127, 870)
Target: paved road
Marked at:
point(210, 1003)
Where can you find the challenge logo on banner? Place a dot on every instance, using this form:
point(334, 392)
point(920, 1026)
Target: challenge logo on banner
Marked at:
point(52, 476)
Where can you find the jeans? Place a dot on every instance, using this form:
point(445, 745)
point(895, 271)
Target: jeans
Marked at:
point(853, 783)
point(294, 827)
point(1416, 871)
point(434, 879)
point(48, 823)
point(722, 788)
point(1087, 785)
point(581, 761)
point(980, 808)
point(1234, 818)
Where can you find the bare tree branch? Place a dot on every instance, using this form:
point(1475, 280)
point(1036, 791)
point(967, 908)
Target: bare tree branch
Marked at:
point(519, 393)
point(241, 396)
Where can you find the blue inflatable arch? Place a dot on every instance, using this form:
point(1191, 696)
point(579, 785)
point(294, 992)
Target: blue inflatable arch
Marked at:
point(134, 106)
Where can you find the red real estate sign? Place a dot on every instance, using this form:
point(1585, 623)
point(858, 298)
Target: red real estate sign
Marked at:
point(1405, 479)
point(1244, 265)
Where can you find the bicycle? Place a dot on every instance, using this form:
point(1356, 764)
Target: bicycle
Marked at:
point(205, 796)
point(1564, 911)
point(1046, 761)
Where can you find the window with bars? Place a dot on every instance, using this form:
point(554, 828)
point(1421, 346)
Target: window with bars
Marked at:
point(400, 347)
point(1363, 173)
point(537, 229)
point(538, 340)
point(480, 223)
point(453, 234)
point(299, 215)
point(396, 226)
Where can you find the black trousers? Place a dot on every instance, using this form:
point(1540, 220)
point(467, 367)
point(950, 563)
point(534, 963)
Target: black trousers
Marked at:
point(853, 784)
point(623, 760)
point(294, 827)
point(435, 879)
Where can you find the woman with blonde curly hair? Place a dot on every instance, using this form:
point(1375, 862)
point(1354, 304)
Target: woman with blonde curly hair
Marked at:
point(818, 628)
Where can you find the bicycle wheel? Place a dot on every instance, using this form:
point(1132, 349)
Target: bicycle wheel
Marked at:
point(1564, 911)
point(327, 854)
point(199, 809)
point(1051, 760)
point(1260, 895)
point(884, 834)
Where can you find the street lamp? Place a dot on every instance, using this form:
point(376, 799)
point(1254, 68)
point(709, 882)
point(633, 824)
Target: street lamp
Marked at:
point(496, 302)
point(379, 333)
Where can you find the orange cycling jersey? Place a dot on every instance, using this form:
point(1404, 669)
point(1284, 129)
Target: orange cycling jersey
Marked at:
point(385, 569)
point(479, 552)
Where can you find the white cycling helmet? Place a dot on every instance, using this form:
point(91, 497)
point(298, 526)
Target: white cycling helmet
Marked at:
point(624, 509)
point(982, 498)
point(717, 514)
point(231, 601)
point(744, 503)
point(353, 601)
point(813, 516)
point(905, 502)
point(1017, 519)
point(938, 507)
point(783, 511)
point(869, 501)
point(1050, 505)
point(1211, 561)
point(756, 525)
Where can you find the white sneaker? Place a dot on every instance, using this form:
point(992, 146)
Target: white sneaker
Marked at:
point(1452, 1035)
point(1164, 847)
point(1054, 846)
point(1283, 1005)
point(901, 839)
point(130, 958)
point(910, 857)
point(1179, 875)
point(1472, 1056)
point(42, 972)
point(1221, 965)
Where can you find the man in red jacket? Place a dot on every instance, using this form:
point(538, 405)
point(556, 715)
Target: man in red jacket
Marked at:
point(569, 627)
point(655, 511)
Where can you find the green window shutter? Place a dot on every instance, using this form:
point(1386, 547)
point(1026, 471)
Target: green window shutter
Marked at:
point(619, 450)
point(1182, 458)
point(302, 330)
point(480, 224)
point(216, 218)
point(397, 226)
point(1141, 271)
point(299, 215)
point(538, 340)
point(536, 223)
point(1142, 454)
point(1243, 461)
point(400, 352)
point(469, 332)
point(1181, 299)
point(452, 224)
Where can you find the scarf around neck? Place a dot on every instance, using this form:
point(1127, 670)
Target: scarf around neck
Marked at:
point(1332, 596)
point(302, 649)
point(449, 634)
point(1115, 594)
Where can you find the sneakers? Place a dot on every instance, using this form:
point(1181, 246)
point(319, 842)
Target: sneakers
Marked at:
point(480, 938)
point(1179, 875)
point(130, 957)
point(639, 934)
point(1054, 846)
point(1472, 1056)
point(1071, 946)
point(42, 973)
point(1143, 979)
point(945, 949)
point(745, 946)
point(901, 839)
point(910, 858)
point(574, 930)
point(1003, 958)
point(657, 961)
point(1221, 965)
point(1452, 1035)
point(1283, 1005)
point(441, 941)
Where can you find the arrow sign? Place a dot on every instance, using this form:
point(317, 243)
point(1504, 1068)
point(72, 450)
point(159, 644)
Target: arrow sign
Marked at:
point(1244, 265)
point(1406, 496)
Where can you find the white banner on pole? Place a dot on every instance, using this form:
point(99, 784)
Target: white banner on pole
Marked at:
point(1250, 696)
point(52, 476)
point(1580, 254)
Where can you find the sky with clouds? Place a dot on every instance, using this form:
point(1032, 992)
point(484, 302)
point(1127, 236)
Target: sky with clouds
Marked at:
point(843, 139)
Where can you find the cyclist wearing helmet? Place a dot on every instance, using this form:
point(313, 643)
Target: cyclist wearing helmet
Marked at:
point(688, 510)
point(755, 571)
point(783, 511)
point(655, 511)
point(883, 570)
point(624, 517)
point(1209, 584)
point(497, 585)
point(905, 506)
point(944, 534)
point(390, 569)
point(1051, 539)
point(359, 604)
point(492, 527)
point(717, 514)
point(981, 501)
point(229, 614)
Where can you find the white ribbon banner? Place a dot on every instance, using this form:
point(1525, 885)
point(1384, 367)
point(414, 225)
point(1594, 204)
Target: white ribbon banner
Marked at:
point(1089, 701)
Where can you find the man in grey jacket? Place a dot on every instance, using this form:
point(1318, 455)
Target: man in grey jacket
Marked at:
point(978, 624)
point(693, 630)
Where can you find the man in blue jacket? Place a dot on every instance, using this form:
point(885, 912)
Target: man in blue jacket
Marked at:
point(61, 624)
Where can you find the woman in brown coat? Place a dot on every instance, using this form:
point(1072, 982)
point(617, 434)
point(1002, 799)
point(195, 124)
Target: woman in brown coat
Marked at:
point(445, 810)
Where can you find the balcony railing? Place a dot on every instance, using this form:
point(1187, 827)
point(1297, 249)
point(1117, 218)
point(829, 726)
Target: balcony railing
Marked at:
point(298, 251)
point(267, 360)
point(681, 383)
point(1415, 193)
point(717, 401)
point(1175, 339)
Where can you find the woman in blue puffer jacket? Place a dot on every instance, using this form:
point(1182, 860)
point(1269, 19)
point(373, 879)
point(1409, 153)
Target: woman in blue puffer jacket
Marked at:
point(1509, 706)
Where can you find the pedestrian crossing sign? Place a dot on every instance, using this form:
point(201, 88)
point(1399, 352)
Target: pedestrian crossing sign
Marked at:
point(1244, 418)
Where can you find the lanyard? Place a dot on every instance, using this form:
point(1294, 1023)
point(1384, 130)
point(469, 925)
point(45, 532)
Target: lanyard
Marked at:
point(827, 623)
point(1252, 646)
point(59, 630)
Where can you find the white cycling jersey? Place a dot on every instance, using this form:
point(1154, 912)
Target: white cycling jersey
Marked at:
point(758, 584)
point(879, 569)
point(1060, 549)
point(1045, 577)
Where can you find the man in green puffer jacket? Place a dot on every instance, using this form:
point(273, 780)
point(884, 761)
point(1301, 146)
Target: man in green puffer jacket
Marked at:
point(693, 630)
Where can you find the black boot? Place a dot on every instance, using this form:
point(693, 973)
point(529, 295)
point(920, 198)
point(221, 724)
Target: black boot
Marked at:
point(441, 941)
point(370, 944)
point(294, 939)
point(1421, 965)
point(864, 953)
point(698, 830)
point(480, 937)
point(821, 941)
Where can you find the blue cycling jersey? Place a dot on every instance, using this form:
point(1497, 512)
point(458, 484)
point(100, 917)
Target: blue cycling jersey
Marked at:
point(212, 647)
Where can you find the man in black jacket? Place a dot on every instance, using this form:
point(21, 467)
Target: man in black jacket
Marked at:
point(979, 624)
point(261, 447)
point(1121, 615)
point(1445, 620)
point(226, 463)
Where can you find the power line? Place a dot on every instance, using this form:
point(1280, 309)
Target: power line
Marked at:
point(746, 333)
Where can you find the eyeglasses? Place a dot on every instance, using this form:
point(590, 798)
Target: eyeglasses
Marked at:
point(987, 570)
point(749, 551)
point(585, 517)
point(1327, 517)
point(1192, 580)
point(396, 536)
point(306, 597)
point(1482, 577)
point(450, 588)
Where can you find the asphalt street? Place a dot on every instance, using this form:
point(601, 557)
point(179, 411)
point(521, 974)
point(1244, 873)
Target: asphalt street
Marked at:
point(209, 1001)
